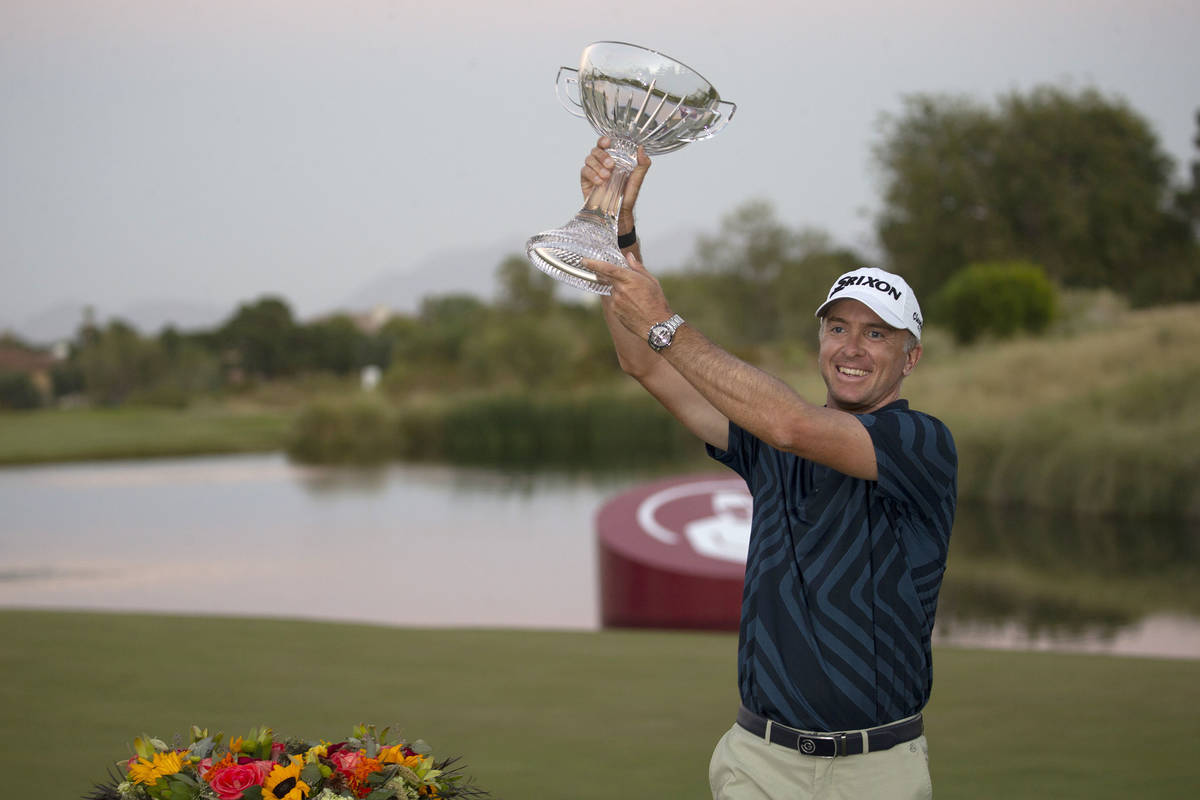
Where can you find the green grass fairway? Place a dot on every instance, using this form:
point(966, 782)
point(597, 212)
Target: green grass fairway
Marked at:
point(547, 715)
point(105, 433)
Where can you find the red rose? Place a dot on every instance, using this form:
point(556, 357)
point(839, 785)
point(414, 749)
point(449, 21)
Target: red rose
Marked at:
point(346, 760)
point(231, 781)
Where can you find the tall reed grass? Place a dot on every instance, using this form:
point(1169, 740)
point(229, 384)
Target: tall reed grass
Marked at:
point(599, 429)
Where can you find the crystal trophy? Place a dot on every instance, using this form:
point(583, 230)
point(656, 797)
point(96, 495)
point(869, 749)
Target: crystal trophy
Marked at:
point(635, 97)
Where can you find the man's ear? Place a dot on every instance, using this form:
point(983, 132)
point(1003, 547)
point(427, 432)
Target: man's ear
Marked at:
point(912, 357)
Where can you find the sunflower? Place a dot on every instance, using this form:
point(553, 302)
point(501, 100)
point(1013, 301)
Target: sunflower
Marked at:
point(146, 771)
point(284, 782)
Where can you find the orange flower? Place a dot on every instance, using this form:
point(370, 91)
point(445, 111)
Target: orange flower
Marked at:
point(355, 767)
point(227, 761)
point(363, 769)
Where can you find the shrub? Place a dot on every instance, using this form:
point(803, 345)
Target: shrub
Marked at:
point(17, 391)
point(998, 299)
point(361, 431)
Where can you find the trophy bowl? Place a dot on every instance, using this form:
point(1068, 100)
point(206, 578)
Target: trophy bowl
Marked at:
point(634, 96)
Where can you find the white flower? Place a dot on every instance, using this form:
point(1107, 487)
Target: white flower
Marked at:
point(329, 794)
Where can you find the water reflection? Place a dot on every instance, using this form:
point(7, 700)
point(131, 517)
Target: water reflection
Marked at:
point(257, 535)
point(423, 545)
point(1100, 585)
point(1103, 546)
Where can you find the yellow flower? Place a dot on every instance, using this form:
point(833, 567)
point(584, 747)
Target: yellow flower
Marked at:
point(236, 744)
point(146, 771)
point(395, 755)
point(284, 782)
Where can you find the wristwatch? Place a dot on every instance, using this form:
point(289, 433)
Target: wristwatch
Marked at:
point(663, 333)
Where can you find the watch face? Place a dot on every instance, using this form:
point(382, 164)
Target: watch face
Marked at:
point(660, 336)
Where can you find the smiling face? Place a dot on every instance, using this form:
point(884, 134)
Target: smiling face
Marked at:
point(862, 358)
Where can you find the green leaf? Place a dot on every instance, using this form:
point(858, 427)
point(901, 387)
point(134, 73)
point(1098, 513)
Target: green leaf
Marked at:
point(179, 787)
point(201, 748)
point(312, 774)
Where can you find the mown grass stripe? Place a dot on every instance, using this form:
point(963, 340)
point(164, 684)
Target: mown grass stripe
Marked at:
point(548, 715)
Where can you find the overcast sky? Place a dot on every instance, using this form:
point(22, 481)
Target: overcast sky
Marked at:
point(217, 150)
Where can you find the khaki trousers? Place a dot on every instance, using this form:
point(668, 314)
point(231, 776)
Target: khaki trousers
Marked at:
point(745, 767)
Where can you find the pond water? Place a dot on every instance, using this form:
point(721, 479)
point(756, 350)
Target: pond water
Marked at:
point(439, 546)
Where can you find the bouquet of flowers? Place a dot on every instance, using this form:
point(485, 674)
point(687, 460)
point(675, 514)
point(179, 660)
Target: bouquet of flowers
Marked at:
point(262, 766)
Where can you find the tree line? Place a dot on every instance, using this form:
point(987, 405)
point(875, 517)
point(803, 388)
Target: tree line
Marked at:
point(1076, 183)
point(986, 209)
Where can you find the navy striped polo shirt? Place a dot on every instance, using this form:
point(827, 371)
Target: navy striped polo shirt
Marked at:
point(842, 575)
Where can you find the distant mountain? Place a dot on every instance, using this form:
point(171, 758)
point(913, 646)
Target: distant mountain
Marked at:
point(473, 271)
point(148, 316)
point(467, 270)
point(54, 324)
point(152, 316)
point(462, 270)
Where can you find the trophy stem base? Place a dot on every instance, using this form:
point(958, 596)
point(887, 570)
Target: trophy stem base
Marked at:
point(560, 253)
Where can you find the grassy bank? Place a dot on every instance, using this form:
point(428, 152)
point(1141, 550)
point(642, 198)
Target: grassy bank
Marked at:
point(32, 437)
point(1100, 421)
point(556, 715)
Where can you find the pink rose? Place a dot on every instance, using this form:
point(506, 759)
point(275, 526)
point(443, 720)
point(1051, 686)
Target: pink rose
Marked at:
point(231, 781)
point(346, 760)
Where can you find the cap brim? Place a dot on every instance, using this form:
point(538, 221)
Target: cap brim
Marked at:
point(870, 301)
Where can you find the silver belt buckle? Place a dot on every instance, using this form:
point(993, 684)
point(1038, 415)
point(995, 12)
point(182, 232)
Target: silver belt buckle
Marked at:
point(808, 746)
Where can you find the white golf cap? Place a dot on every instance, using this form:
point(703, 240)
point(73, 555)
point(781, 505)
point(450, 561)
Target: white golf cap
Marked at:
point(885, 293)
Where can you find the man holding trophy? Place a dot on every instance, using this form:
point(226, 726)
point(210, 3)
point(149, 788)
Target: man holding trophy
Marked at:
point(853, 505)
point(853, 499)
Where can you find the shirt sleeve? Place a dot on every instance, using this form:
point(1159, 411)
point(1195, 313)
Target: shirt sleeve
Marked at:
point(916, 458)
point(740, 454)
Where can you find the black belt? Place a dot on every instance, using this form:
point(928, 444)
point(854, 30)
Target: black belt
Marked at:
point(828, 745)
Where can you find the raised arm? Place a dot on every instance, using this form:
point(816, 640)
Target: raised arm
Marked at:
point(634, 353)
point(729, 388)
